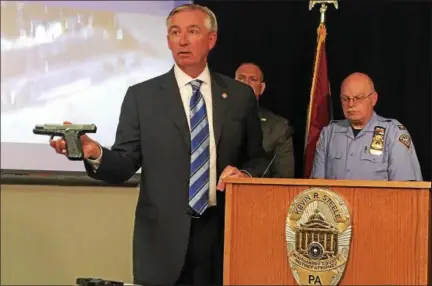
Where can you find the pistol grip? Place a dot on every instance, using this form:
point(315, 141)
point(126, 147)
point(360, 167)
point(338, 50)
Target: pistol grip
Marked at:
point(74, 150)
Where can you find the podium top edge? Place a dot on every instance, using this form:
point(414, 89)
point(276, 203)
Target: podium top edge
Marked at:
point(330, 183)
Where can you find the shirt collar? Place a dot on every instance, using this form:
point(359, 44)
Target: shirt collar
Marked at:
point(183, 79)
point(370, 126)
point(345, 127)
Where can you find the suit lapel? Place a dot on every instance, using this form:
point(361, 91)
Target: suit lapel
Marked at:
point(265, 124)
point(220, 104)
point(266, 129)
point(174, 106)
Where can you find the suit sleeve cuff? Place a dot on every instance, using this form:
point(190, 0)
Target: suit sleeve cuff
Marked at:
point(95, 162)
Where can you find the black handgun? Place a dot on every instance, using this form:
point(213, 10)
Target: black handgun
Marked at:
point(71, 133)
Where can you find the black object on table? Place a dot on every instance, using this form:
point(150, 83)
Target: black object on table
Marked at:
point(97, 282)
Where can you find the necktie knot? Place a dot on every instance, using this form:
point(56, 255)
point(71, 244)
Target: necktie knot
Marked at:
point(196, 83)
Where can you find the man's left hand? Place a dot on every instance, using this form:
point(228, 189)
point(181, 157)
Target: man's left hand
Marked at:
point(229, 172)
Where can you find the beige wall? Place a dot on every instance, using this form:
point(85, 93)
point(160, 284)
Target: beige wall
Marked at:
point(50, 235)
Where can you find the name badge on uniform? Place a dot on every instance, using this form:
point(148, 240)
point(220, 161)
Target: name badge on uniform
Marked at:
point(377, 144)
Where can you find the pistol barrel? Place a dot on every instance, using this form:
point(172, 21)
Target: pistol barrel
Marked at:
point(88, 128)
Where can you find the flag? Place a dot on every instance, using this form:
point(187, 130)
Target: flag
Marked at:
point(319, 112)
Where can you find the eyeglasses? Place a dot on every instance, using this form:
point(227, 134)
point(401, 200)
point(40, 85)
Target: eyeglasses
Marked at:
point(357, 98)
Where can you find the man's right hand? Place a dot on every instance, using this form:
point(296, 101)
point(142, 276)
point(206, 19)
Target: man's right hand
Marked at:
point(91, 148)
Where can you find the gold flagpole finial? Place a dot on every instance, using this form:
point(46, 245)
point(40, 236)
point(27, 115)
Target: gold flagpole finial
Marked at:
point(323, 8)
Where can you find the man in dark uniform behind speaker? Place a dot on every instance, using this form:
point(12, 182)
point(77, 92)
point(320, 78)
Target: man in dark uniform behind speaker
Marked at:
point(277, 133)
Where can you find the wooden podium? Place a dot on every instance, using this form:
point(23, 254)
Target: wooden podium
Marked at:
point(390, 242)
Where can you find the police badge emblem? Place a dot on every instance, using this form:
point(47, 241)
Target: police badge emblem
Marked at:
point(377, 144)
point(405, 139)
point(318, 237)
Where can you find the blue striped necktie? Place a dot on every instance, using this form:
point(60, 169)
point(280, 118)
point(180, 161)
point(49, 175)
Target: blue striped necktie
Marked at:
point(200, 151)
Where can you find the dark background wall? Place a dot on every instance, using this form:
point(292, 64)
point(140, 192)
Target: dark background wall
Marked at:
point(389, 40)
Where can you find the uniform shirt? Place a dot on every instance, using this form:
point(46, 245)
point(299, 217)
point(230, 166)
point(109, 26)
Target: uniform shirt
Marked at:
point(382, 150)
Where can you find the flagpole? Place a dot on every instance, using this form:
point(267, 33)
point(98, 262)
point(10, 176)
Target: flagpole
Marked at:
point(322, 33)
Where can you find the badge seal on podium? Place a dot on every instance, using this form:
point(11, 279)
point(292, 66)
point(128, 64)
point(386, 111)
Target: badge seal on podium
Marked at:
point(318, 236)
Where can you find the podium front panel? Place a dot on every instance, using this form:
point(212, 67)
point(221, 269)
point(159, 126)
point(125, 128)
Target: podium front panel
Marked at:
point(389, 241)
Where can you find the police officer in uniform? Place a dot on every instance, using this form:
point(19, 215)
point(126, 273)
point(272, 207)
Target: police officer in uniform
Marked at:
point(277, 132)
point(364, 146)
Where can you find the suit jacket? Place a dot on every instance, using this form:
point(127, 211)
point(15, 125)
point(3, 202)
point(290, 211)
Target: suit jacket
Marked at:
point(277, 135)
point(153, 134)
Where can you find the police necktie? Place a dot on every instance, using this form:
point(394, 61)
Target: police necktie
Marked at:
point(200, 151)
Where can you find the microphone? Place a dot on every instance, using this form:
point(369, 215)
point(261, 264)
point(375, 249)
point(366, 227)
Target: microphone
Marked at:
point(288, 134)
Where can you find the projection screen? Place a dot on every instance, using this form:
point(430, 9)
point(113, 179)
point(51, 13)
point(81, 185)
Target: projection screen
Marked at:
point(73, 60)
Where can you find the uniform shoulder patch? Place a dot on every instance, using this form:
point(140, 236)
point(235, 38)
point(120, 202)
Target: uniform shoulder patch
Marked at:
point(405, 139)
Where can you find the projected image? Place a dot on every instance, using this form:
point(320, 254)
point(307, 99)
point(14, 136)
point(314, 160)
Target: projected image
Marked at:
point(73, 60)
point(62, 62)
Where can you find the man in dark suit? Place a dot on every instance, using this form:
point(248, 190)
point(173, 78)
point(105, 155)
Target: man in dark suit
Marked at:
point(185, 129)
point(277, 133)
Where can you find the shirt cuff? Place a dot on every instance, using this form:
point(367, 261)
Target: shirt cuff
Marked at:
point(96, 162)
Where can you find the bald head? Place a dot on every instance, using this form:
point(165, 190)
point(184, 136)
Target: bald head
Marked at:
point(358, 97)
point(360, 80)
point(251, 74)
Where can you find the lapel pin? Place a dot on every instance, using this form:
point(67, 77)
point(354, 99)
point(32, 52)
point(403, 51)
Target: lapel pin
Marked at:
point(224, 95)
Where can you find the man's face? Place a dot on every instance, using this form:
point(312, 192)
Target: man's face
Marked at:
point(189, 39)
point(251, 74)
point(358, 101)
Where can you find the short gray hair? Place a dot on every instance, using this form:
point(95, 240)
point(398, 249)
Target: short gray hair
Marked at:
point(210, 22)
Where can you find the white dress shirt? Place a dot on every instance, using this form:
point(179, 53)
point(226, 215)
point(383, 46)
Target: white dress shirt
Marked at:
point(183, 81)
point(185, 88)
